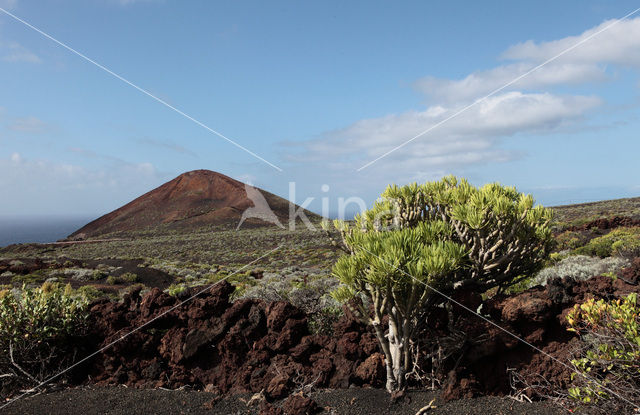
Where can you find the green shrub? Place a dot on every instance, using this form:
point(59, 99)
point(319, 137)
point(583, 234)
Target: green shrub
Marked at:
point(323, 320)
point(624, 242)
point(609, 363)
point(600, 247)
point(90, 293)
point(446, 234)
point(37, 331)
point(126, 278)
point(175, 289)
point(569, 240)
point(98, 275)
point(522, 285)
point(242, 282)
point(556, 257)
point(37, 277)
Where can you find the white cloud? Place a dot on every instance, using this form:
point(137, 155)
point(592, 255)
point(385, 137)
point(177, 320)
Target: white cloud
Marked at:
point(15, 52)
point(619, 44)
point(479, 84)
point(467, 139)
point(47, 187)
point(588, 62)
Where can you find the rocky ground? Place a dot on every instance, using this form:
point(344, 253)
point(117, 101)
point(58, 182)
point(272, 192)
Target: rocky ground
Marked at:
point(248, 346)
point(354, 401)
point(215, 347)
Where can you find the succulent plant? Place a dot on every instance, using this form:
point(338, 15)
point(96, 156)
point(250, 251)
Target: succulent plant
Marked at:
point(443, 235)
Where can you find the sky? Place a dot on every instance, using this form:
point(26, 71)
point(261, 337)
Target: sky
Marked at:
point(316, 92)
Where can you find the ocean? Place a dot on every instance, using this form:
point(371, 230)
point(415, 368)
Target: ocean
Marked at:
point(23, 229)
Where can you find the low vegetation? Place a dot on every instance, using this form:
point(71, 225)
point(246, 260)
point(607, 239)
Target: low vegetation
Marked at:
point(578, 268)
point(40, 329)
point(308, 292)
point(126, 278)
point(576, 215)
point(622, 242)
point(569, 240)
point(300, 247)
point(608, 365)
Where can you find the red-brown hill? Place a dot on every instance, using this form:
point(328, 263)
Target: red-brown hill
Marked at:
point(194, 199)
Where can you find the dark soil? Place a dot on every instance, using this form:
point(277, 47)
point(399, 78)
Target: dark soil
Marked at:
point(355, 401)
point(147, 276)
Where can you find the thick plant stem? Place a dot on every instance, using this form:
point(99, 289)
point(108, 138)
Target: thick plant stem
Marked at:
point(396, 377)
point(386, 346)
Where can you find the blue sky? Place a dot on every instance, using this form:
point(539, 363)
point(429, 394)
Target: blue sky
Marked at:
point(319, 89)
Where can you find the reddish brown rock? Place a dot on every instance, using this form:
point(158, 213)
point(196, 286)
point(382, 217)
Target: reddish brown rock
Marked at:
point(458, 387)
point(278, 387)
point(526, 307)
point(349, 345)
point(299, 405)
point(251, 346)
point(372, 371)
point(278, 313)
point(171, 345)
point(291, 333)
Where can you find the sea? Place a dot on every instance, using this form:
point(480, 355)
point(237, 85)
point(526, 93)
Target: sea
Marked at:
point(42, 229)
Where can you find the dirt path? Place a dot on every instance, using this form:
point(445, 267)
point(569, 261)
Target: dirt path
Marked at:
point(354, 401)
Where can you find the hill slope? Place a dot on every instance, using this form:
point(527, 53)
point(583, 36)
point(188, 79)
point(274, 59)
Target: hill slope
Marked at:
point(604, 209)
point(193, 199)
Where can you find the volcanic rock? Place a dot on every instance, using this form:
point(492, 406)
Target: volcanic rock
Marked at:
point(251, 346)
point(194, 199)
point(299, 405)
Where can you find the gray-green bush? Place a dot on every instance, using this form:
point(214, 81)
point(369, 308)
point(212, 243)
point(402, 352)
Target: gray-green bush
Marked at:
point(37, 329)
point(310, 293)
point(579, 268)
